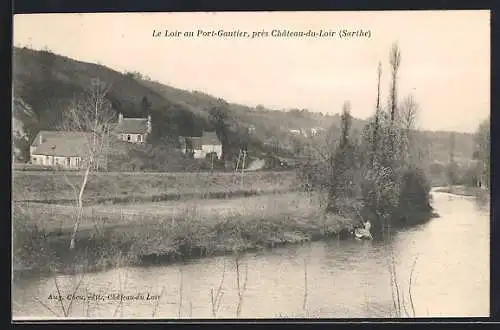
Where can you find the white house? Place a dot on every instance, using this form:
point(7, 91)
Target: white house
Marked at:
point(63, 149)
point(134, 130)
point(200, 146)
point(317, 131)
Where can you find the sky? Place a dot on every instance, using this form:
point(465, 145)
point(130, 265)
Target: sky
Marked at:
point(445, 57)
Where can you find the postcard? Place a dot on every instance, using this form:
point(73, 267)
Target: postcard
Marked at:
point(251, 165)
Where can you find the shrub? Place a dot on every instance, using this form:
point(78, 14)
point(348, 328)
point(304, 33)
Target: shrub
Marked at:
point(414, 197)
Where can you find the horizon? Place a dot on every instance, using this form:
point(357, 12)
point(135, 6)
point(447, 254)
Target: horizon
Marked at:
point(452, 69)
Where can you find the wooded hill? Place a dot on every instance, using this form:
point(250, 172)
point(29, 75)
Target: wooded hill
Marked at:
point(44, 83)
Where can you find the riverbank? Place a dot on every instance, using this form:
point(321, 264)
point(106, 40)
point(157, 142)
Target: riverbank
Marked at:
point(465, 191)
point(451, 278)
point(166, 232)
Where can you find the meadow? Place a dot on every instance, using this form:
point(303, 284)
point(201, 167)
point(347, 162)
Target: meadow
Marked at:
point(135, 234)
point(148, 229)
point(128, 187)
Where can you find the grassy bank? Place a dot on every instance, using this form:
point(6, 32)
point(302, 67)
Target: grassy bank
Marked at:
point(165, 232)
point(117, 187)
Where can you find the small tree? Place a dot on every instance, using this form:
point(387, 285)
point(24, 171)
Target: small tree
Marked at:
point(408, 118)
point(145, 106)
point(395, 62)
point(219, 119)
point(376, 119)
point(452, 168)
point(91, 116)
point(344, 166)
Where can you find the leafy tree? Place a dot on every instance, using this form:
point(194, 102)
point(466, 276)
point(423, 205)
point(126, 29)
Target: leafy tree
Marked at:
point(482, 150)
point(344, 163)
point(452, 167)
point(219, 119)
point(145, 106)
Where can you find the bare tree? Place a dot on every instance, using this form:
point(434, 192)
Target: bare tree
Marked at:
point(376, 124)
point(88, 119)
point(408, 119)
point(395, 61)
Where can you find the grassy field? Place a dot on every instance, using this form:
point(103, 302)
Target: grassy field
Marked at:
point(165, 231)
point(118, 187)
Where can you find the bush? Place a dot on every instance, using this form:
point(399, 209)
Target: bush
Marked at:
point(470, 177)
point(313, 176)
point(414, 197)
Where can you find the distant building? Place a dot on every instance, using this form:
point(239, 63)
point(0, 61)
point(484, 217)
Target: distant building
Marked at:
point(63, 149)
point(307, 132)
point(200, 146)
point(134, 130)
point(317, 131)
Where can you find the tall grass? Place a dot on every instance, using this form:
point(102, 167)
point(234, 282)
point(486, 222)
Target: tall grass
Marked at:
point(107, 239)
point(117, 237)
point(216, 296)
point(402, 298)
point(57, 187)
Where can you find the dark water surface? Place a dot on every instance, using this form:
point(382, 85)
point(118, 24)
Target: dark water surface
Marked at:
point(344, 278)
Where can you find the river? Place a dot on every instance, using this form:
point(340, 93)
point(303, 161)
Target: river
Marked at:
point(449, 256)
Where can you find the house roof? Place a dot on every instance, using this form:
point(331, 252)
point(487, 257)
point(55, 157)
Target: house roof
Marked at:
point(60, 143)
point(208, 138)
point(132, 126)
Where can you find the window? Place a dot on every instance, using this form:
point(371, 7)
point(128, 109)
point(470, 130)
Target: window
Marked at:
point(68, 161)
point(128, 137)
point(139, 137)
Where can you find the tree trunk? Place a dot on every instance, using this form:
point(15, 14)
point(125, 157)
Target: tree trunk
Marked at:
point(79, 215)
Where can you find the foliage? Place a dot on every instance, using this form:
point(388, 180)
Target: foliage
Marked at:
point(344, 164)
point(45, 82)
point(414, 194)
point(452, 171)
point(189, 232)
point(375, 174)
point(482, 150)
point(219, 119)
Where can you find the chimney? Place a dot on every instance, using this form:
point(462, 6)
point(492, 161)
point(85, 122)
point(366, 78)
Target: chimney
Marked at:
point(41, 138)
point(120, 118)
point(149, 123)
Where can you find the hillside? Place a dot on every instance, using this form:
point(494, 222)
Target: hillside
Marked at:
point(45, 82)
